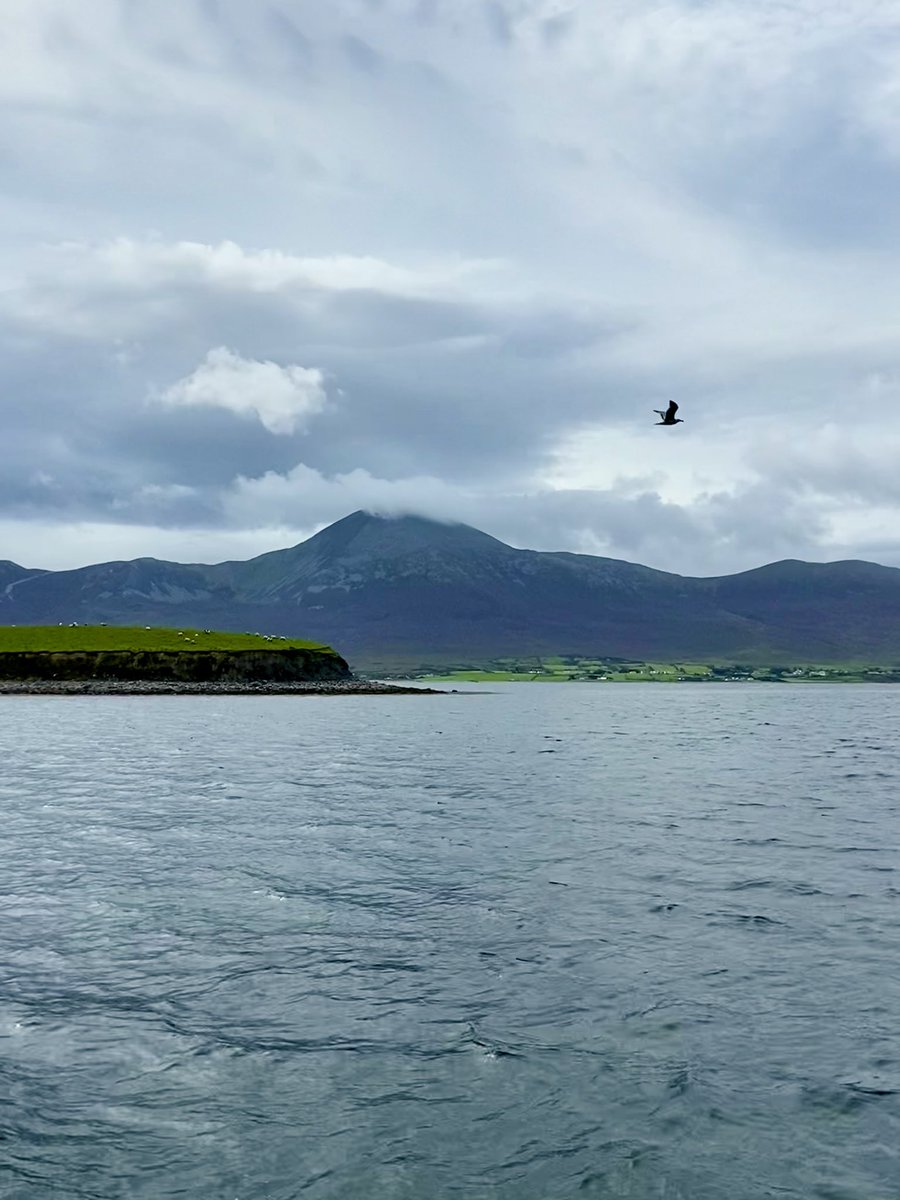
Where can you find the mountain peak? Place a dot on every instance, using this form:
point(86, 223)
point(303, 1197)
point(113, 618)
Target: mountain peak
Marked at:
point(364, 546)
point(374, 535)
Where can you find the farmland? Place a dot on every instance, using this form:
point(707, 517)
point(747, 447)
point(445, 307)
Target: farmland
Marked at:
point(576, 669)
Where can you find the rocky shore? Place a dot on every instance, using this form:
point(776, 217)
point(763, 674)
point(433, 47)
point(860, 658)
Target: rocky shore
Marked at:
point(160, 687)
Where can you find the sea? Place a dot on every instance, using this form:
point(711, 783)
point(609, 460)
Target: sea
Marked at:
point(520, 942)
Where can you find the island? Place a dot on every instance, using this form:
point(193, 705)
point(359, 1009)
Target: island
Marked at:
point(75, 659)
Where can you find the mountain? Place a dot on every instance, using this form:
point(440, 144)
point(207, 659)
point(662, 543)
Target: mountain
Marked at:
point(411, 590)
point(11, 575)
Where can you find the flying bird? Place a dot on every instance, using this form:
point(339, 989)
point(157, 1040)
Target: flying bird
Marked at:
point(668, 417)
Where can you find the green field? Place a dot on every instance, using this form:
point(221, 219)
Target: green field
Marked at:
point(60, 638)
point(57, 639)
point(575, 669)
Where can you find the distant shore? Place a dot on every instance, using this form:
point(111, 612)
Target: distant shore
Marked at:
point(113, 687)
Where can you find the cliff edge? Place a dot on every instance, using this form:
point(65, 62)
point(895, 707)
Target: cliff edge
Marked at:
point(210, 666)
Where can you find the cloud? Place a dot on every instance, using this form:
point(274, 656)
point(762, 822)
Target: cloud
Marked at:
point(848, 468)
point(713, 533)
point(131, 265)
point(283, 399)
point(505, 230)
point(126, 287)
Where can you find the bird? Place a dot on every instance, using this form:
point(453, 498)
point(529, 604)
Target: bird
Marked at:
point(668, 417)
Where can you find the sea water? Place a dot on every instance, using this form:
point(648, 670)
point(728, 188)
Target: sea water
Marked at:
point(529, 942)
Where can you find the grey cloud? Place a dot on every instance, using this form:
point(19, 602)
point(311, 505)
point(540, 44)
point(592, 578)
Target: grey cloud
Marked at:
point(427, 384)
point(299, 49)
point(762, 116)
point(714, 535)
point(766, 522)
point(855, 467)
point(550, 333)
point(425, 11)
point(817, 181)
point(487, 410)
point(362, 55)
point(555, 29)
point(373, 320)
point(730, 267)
point(498, 21)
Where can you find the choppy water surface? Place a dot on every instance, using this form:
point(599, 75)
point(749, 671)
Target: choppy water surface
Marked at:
point(552, 941)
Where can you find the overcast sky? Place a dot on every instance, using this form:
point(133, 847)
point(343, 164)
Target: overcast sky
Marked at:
point(267, 263)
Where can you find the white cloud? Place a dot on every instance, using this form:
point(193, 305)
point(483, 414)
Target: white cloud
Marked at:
point(303, 494)
point(64, 545)
point(282, 398)
point(129, 288)
point(145, 265)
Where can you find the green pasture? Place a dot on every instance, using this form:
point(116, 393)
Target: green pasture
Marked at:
point(60, 638)
point(574, 669)
point(570, 669)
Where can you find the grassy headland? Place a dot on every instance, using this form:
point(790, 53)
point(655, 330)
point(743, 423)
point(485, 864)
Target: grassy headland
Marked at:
point(67, 652)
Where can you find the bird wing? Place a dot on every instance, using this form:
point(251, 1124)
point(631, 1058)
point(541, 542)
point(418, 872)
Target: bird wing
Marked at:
point(672, 409)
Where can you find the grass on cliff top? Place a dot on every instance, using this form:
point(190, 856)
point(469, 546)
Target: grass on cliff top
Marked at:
point(58, 638)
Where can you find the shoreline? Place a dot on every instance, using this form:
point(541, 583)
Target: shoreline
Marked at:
point(167, 687)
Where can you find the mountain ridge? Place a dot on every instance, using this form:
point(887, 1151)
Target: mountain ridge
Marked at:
point(414, 588)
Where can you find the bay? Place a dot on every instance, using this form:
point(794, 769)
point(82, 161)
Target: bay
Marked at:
point(538, 941)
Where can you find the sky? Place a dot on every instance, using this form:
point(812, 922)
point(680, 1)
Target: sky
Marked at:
point(266, 264)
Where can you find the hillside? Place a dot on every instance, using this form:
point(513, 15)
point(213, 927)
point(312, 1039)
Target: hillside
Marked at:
point(11, 573)
point(411, 591)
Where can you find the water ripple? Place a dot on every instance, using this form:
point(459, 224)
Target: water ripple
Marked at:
point(546, 943)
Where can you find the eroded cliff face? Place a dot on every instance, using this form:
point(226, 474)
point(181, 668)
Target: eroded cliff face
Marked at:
point(211, 666)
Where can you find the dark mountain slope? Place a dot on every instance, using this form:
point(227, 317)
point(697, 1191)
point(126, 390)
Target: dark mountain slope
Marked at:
point(115, 590)
point(411, 588)
point(848, 609)
point(11, 575)
point(372, 582)
point(361, 549)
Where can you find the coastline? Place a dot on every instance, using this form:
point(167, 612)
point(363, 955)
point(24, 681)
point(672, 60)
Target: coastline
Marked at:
point(164, 687)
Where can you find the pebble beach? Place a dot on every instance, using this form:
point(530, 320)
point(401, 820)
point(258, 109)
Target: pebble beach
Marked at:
point(111, 687)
